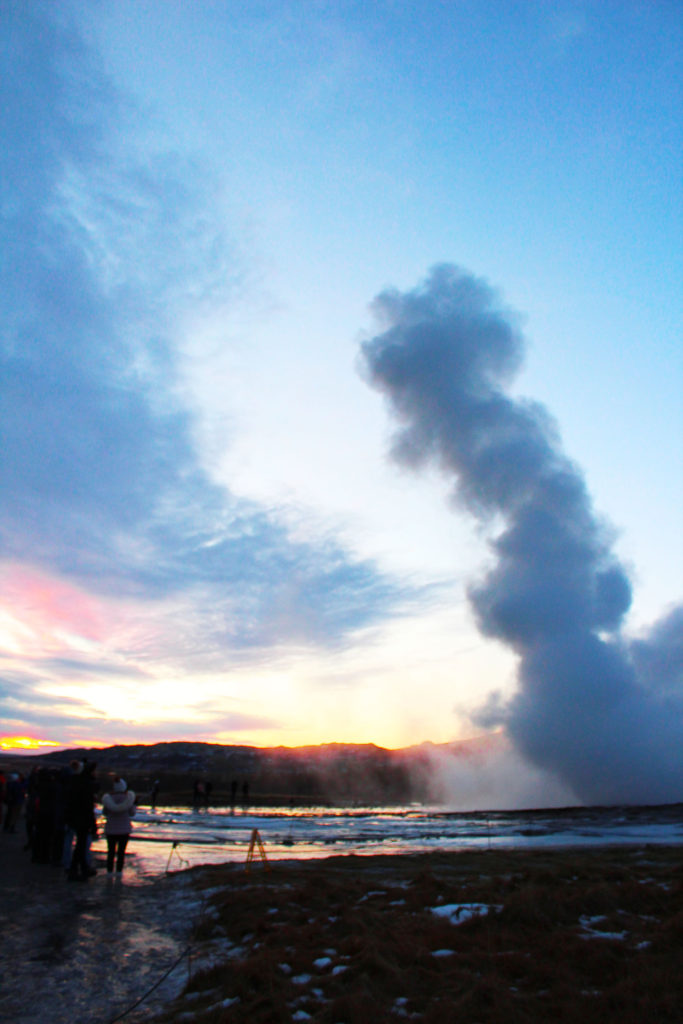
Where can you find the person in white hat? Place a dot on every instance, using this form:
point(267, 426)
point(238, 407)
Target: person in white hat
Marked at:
point(119, 809)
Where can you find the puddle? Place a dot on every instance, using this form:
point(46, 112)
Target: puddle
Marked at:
point(88, 952)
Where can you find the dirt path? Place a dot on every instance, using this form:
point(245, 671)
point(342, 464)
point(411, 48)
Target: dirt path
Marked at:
point(83, 953)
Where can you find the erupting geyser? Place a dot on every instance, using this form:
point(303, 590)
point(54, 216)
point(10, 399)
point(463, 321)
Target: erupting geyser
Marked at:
point(603, 713)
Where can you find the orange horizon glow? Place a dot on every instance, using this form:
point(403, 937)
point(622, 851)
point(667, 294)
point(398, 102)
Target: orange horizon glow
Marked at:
point(471, 745)
point(25, 743)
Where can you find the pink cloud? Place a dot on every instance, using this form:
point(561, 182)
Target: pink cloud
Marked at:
point(40, 610)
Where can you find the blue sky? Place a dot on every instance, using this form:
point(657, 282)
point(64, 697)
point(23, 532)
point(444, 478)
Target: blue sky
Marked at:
point(203, 533)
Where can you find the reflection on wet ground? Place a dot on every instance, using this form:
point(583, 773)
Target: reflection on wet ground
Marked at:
point(179, 837)
point(77, 952)
point(85, 953)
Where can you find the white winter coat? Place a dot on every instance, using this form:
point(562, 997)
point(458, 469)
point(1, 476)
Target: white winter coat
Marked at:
point(118, 809)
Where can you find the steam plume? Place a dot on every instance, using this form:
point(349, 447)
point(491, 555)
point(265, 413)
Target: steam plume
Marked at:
point(604, 715)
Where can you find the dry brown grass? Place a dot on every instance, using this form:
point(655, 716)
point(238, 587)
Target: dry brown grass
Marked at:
point(582, 936)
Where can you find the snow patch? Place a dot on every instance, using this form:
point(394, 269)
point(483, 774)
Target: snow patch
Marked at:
point(590, 931)
point(369, 895)
point(457, 913)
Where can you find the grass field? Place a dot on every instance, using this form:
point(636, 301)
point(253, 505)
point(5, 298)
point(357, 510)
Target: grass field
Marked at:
point(553, 936)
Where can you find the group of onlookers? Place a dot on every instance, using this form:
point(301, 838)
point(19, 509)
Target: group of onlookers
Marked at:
point(59, 807)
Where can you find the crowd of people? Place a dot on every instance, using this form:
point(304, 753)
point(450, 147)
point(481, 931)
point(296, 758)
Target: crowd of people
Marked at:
point(59, 809)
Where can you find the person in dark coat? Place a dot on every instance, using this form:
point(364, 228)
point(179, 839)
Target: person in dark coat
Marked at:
point(41, 811)
point(80, 816)
point(15, 794)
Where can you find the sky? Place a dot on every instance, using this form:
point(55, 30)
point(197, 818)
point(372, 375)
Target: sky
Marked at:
point(323, 326)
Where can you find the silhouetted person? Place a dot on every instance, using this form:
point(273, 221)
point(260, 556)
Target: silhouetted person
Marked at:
point(41, 811)
point(69, 834)
point(31, 812)
point(197, 795)
point(80, 816)
point(89, 771)
point(58, 842)
point(119, 809)
point(155, 794)
point(15, 794)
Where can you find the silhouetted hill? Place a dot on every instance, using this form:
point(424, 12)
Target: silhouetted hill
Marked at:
point(330, 773)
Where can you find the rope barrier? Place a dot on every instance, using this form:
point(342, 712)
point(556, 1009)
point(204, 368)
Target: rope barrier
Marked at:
point(186, 952)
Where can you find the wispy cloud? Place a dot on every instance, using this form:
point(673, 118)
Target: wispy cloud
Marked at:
point(105, 250)
point(101, 480)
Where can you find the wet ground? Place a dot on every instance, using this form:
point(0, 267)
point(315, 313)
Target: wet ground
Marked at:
point(113, 950)
point(215, 836)
point(86, 952)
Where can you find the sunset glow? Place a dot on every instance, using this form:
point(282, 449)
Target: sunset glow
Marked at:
point(341, 378)
point(24, 743)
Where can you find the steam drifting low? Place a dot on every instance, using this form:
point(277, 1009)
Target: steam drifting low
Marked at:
point(603, 713)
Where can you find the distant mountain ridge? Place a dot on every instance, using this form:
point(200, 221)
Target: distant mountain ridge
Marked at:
point(326, 773)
